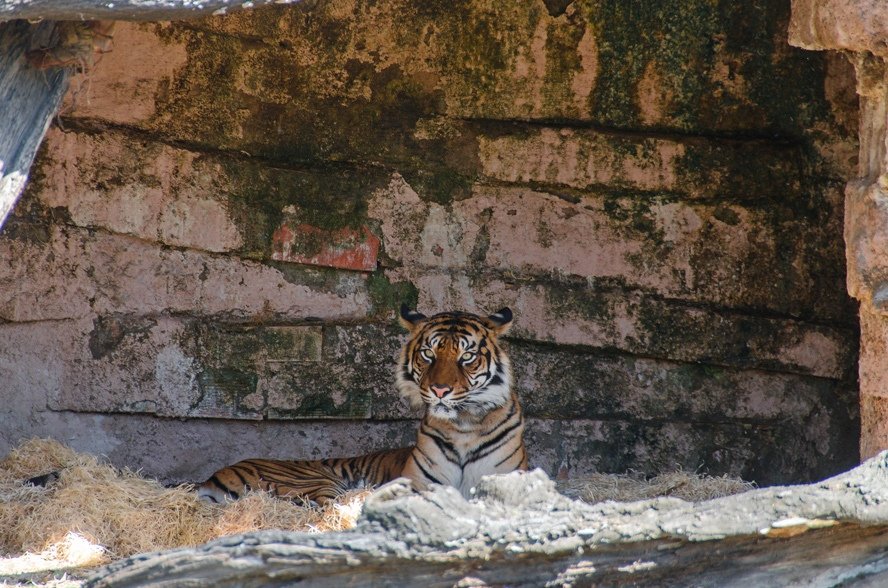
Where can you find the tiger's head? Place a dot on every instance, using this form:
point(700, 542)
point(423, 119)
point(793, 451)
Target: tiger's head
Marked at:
point(453, 362)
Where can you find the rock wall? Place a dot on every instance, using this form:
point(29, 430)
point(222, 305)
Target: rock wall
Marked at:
point(206, 262)
point(860, 29)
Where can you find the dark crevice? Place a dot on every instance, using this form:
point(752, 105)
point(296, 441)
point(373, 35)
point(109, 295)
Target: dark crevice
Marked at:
point(760, 137)
point(611, 351)
point(734, 423)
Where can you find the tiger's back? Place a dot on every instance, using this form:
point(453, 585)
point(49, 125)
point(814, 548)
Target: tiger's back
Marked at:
point(315, 481)
point(454, 366)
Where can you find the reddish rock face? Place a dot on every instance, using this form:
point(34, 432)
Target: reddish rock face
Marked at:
point(341, 248)
point(219, 236)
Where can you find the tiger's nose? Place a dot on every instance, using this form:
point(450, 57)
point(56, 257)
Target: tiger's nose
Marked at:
point(441, 391)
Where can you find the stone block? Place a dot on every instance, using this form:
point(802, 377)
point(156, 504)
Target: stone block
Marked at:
point(191, 368)
point(181, 368)
point(573, 383)
point(765, 453)
point(585, 159)
point(142, 65)
point(316, 391)
point(873, 381)
point(848, 25)
point(275, 90)
point(121, 364)
point(341, 248)
point(718, 254)
point(873, 425)
point(76, 273)
point(145, 189)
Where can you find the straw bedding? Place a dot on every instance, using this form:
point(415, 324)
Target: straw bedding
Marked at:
point(95, 513)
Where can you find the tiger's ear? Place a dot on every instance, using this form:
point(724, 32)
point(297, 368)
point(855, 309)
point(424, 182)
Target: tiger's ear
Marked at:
point(410, 318)
point(501, 320)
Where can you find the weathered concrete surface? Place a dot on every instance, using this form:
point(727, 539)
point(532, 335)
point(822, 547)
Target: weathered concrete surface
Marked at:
point(518, 530)
point(236, 205)
point(724, 253)
point(720, 253)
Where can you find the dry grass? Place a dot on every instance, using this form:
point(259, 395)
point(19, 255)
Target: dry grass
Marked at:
point(95, 513)
point(635, 486)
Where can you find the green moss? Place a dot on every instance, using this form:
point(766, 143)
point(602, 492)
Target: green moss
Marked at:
point(318, 278)
point(562, 62)
point(726, 215)
point(442, 186)
point(109, 332)
point(386, 296)
point(326, 198)
point(482, 241)
point(322, 405)
point(200, 100)
point(673, 34)
point(636, 219)
point(226, 387)
point(577, 300)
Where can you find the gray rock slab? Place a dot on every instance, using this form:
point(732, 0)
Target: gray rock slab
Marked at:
point(517, 530)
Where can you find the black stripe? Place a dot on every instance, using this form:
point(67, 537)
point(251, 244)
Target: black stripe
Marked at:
point(424, 454)
point(424, 471)
point(508, 457)
point(500, 423)
point(218, 484)
point(297, 469)
point(445, 446)
point(240, 477)
point(474, 456)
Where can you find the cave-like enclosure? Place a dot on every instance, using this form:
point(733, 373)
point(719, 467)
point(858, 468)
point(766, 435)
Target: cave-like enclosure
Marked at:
point(206, 261)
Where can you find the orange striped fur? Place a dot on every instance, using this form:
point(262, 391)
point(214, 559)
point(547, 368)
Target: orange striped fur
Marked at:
point(454, 365)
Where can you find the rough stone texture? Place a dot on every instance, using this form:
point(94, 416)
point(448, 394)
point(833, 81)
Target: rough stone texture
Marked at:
point(216, 236)
point(343, 248)
point(860, 27)
point(518, 531)
point(853, 25)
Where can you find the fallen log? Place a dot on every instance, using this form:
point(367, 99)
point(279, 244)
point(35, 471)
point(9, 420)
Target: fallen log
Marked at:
point(519, 531)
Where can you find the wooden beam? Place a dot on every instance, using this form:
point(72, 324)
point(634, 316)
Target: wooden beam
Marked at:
point(29, 99)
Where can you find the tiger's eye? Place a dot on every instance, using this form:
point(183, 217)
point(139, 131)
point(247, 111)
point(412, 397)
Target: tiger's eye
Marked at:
point(467, 356)
point(426, 355)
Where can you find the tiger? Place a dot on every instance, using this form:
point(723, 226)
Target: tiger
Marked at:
point(454, 366)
